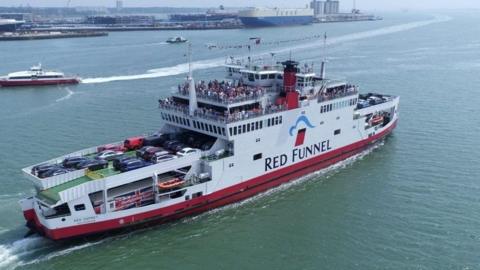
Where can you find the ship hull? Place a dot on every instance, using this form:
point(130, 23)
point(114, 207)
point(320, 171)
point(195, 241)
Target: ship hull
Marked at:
point(39, 82)
point(272, 21)
point(217, 199)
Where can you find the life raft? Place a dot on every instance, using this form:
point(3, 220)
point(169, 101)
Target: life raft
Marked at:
point(377, 120)
point(177, 182)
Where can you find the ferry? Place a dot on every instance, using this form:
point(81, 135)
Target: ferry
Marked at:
point(220, 142)
point(36, 76)
point(265, 17)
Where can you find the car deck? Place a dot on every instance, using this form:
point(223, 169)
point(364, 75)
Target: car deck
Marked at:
point(52, 196)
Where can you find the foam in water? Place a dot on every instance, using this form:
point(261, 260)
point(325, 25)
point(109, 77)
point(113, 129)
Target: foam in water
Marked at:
point(205, 64)
point(10, 253)
point(67, 96)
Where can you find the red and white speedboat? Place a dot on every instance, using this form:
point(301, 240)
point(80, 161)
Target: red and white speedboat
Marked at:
point(37, 76)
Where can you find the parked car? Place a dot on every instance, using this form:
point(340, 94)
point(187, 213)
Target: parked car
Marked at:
point(70, 162)
point(133, 143)
point(178, 146)
point(160, 153)
point(93, 164)
point(108, 155)
point(36, 170)
point(156, 139)
point(112, 147)
point(140, 152)
point(53, 172)
point(170, 143)
point(133, 164)
point(187, 151)
point(151, 152)
point(117, 162)
point(164, 158)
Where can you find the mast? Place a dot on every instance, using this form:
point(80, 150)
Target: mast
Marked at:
point(192, 104)
point(324, 61)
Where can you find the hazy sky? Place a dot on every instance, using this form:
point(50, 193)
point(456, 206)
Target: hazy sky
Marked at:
point(345, 4)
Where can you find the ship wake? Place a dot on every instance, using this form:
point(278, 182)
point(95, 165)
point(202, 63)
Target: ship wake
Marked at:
point(212, 63)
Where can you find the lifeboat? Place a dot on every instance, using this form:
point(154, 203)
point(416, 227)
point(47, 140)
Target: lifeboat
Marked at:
point(377, 120)
point(174, 183)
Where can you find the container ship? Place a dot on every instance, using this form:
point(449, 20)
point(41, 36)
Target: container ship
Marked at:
point(36, 76)
point(221, 141)
point(266, 17)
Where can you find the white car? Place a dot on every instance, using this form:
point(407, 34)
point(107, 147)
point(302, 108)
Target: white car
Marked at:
point(164, 158)
point(109, 154)
point(187, 151)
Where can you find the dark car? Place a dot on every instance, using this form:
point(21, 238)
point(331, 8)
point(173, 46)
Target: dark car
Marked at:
point(178, 146)
point(53, 172)
point(36, 170)
point(140, 152)
point(133, 165)
point(71, 162)
point(93, 164)
point(156, 139)
point(117, 162)
point(151, 152)
point(169, 144)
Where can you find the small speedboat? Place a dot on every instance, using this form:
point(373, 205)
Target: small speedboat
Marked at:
point(174, 40)
point(37, 76)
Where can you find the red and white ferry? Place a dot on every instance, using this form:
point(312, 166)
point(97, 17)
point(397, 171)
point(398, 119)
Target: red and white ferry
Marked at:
point(264, 126)
point(36, 76)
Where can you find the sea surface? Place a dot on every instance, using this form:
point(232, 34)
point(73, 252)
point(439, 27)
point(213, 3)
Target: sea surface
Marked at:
point(413, 202)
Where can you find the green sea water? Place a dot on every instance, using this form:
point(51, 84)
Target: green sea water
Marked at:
point(411, 203)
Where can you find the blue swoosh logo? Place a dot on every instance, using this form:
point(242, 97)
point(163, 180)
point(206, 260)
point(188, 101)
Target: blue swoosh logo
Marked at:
point(301, 119)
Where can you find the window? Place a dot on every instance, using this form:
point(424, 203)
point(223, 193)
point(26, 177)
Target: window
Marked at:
point(257, 125)
point(79, 207)
point(231, 165)
point(337, 132)
point(187, 197)
point(197, 194)
point(268, 122)
point(261, 124)
point(234, 130)
point(271, 76)
point(264, 76)
point(223, 131)
point(244, 128)
point(257, 140)
point(231, 131)
point(248, 127)
point(177, 194)
point(257, 156)
point(257, 77)
point(215, 129)
point(276, 120)
point(252, 126)
point(280, 120)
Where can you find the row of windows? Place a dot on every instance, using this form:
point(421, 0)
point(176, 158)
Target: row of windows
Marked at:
point(255, 125)
point(176, 119)
point(338, 105)
point(196, 124)
point(209, 128)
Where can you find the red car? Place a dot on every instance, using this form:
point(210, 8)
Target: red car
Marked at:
point(134, 143)
point(111, 147)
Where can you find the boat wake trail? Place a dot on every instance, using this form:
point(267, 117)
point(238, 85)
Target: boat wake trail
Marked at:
point(68, 96)
point(205, 64)
point(20, 252)
point(10, 254)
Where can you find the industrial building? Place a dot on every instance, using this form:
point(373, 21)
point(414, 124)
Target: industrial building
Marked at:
point(325, 7)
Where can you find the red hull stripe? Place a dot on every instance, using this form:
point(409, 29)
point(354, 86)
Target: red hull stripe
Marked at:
point(219, 198)
point(38, 82)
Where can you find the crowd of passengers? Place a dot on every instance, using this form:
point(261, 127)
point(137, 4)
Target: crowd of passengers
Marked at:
point(226, 116)
point(224, 91)
point(337, 92)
